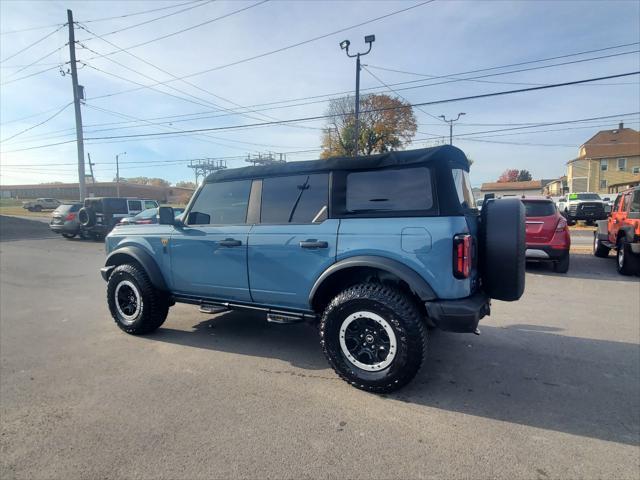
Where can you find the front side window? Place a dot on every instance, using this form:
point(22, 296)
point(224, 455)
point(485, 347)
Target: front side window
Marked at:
point(622, 164)
point(295, 199)
point(407, 189)
point(463, 187)
point(221, 203)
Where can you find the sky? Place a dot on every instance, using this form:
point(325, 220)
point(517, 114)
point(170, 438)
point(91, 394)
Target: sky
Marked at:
point(132, 64)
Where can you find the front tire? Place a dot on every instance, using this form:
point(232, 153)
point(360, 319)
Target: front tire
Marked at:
point(390, 327)
point(135, 304)
point(599, 250)
point(69, 235)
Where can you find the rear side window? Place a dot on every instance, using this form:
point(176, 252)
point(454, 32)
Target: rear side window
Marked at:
point(115, 205)
point(67, 208)
point(539, 209)
point(295, 199)
point(463, 188)
point(135, 205)
point(407, 189)
point(223, 203)
point(635, 202)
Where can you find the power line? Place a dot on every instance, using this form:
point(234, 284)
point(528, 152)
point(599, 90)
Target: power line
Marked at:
point(153, 19)
point(28, 76)
point(36, 62)
point(144, 12)
point(557, 57)
point(185, 29)
point(38, 124)
point(32, 44)
point(175, 76)
point(321, 117)
point(288, 47)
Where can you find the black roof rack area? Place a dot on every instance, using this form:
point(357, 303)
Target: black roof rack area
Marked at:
point(445, 153)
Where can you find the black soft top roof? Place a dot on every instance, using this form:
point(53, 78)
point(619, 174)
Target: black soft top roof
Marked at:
point(446, 154)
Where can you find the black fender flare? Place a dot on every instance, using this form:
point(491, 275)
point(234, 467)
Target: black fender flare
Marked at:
point(628, 232)
point(417, 284)
point(143, 258)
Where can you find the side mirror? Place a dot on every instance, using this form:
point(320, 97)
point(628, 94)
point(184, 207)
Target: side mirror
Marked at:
point(166, 216)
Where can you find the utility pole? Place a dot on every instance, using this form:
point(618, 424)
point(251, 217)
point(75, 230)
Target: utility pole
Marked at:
point(118, 174)
point(450, 122)
point(344, 45)
point(76, 104)
point(93, 178)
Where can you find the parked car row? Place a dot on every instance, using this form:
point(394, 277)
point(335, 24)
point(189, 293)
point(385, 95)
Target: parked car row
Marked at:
point(96, 217)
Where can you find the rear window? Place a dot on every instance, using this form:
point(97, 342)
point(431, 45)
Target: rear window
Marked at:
point(407, 189)
point(67, 208)
point(539, 209)
point(295, 199)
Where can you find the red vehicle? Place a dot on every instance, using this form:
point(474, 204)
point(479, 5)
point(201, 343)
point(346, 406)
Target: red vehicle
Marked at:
point(548, 236)
point(621, 232)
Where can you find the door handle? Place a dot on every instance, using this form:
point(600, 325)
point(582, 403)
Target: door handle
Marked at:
point(229, 242)
point(313, 244)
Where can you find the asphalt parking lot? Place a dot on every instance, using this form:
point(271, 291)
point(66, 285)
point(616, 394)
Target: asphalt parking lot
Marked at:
point(551, 389)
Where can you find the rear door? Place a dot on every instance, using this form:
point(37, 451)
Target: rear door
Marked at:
point(541, 221)
point(209, 254)
point(293, 241)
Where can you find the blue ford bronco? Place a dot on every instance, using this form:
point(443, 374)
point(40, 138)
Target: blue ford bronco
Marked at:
point(376, 250)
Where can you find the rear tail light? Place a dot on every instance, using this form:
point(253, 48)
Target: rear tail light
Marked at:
point(70, 216)
point(462, 252)
point(562, 225)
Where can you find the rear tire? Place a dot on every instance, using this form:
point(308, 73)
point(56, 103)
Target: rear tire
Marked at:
point(626, 261)
point(390, 326)
point(135, 304)
point(599, 250)
point(69, 235)
point(562, 265)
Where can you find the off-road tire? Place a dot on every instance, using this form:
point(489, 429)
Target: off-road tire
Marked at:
point(69, 235)
point(562, 265)
point(400, 311)
point(502, 249)
point(599, 250)
point(87, 217)
point(154, 305)
point(626, 261)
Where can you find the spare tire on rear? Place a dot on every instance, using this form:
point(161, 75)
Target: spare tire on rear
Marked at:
point(87, 217)
point(502, 248)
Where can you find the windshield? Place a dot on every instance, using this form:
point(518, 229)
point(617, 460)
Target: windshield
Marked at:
point(463, 187)
point(149, 213)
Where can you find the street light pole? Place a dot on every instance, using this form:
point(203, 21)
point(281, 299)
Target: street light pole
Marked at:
point(450, 122)
point(118, 174)
point(344, 45)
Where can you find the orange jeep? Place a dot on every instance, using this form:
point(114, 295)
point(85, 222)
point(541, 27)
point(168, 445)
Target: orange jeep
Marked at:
point(622, 232)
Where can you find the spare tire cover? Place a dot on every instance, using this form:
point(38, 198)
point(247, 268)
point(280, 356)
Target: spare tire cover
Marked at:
point(87, 217)
point(502, 248)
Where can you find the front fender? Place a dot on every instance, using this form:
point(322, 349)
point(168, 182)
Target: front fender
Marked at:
point(139, 255)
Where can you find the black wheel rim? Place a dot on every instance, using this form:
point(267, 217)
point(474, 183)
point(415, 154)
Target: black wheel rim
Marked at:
point(367, 341)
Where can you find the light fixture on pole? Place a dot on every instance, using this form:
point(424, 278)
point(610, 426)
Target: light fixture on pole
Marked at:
point(450, 122)
point(344, 45)
point(118, 174)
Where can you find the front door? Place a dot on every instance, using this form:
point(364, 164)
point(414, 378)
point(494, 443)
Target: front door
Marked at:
point(617, 214)
point(209, 254)
point(294, 241)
